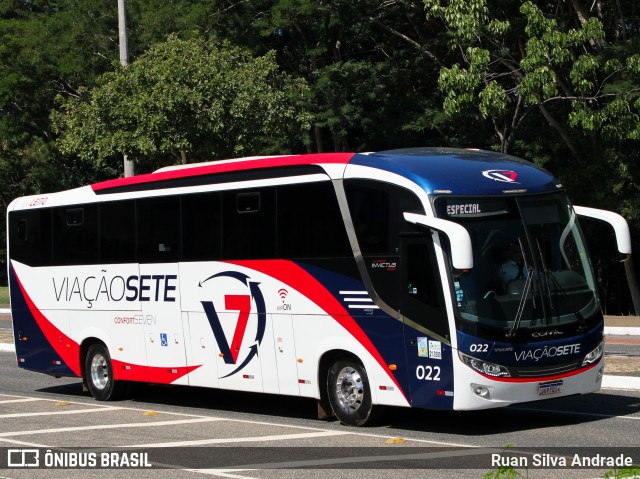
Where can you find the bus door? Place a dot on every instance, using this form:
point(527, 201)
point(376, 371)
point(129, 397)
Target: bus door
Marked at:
point(159, 295)
point(426, 331)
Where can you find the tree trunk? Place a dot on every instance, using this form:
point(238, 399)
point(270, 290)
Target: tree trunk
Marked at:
point(583, 17)
point(553, 123)
point(129, 166)
point(622, 21)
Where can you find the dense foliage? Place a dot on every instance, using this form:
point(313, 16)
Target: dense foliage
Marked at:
point(557, 83)
point(193, 99)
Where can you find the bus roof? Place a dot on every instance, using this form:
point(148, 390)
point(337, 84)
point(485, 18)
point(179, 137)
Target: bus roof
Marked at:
point(436, 170)
point(462, 171)
point(221, 167)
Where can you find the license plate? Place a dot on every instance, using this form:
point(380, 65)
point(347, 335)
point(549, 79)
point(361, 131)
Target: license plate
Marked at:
point(550, 387)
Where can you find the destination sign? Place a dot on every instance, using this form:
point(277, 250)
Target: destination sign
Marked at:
point(467, 209)
point(475, 207)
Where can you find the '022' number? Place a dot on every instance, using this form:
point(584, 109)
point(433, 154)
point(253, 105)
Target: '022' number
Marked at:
point(428, 373)
point(479, 348)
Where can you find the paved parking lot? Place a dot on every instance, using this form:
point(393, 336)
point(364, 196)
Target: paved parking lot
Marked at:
point(176, 440)
point(194, 441)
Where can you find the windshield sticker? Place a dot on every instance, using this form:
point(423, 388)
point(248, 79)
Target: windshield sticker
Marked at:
point(423, 350)
point(435, 349)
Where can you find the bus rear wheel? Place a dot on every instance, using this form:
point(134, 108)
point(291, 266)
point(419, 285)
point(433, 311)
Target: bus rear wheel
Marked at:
point(98, 375)
point(349, 392)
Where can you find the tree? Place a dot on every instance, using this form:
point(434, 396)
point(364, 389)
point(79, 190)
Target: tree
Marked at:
point(519, 58)
point(193, 99)
point(46, 48)
point(369, 64)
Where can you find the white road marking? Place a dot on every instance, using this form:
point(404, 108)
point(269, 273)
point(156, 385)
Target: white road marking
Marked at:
point(59, 413)
point(9, 401)
point(578, 413)
point(22, 443)
point(277, 437)
point(108, 426)
point(215, 472)
point(471, 451)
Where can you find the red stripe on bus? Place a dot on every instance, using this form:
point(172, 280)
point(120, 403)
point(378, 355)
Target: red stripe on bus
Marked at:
point(69, 352)
point(298, 278)
point(149, 374)
point(541, 379)
point(313, 159)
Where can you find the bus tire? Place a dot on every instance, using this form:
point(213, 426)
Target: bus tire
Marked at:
point(98, 375)
point(349, 392)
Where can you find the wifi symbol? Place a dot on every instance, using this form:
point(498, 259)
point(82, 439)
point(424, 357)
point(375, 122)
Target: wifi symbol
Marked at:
point(283, 294)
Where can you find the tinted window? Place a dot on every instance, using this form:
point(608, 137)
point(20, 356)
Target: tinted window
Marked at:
point(30, 237)
point(422, 299)
point(310, 224)
point(248, 222)
point(376, 210)
point(117, 232)
point(75, 235)
point(201, 236)
point(158, 230)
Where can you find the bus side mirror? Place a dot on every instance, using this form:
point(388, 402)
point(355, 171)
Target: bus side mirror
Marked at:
point(623, 240)
point(617, 222)
point(461, 250)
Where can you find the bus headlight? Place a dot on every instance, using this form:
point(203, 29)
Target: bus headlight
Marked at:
point(594, 355)
point(484, 367)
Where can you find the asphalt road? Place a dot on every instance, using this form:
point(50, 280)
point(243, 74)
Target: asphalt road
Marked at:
point(262, 436)
point(623, 345)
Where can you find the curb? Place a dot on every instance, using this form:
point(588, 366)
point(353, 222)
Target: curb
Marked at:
point(620, 382)
point(621, 331)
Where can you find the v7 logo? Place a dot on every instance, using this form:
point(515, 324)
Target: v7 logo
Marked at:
point(242, 304)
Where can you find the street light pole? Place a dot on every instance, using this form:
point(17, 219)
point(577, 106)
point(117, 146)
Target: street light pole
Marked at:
point(129, 165)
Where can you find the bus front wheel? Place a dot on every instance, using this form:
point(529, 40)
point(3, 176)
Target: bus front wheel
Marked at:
point(349, 392)
point(98, 374)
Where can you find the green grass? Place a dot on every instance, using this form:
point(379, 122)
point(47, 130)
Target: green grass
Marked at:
point(4, 295)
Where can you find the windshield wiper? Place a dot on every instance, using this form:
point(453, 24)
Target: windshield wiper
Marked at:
point(546, 283)
point(516, 321)
point(527, 286)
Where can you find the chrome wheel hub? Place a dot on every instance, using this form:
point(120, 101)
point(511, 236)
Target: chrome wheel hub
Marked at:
point(99, 371)
point(349, 389)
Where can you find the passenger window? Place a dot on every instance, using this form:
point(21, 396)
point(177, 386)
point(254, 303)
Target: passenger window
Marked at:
point(310, 223)
point(30, 237)
point(201, 236)
point(75, 235)
point(248, 224)
point(117, 232)
point(158, 230)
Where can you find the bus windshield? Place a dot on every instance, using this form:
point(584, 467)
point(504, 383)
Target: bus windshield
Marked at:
point(532, 277)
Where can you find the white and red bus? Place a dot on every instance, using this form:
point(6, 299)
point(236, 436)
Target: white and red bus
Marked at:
point(432, 278)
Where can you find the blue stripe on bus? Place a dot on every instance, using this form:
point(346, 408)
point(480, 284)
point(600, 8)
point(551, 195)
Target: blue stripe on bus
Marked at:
point(460, 171)
point(36, 351)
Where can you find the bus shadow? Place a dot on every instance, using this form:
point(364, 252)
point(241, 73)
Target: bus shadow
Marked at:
point(569, 411)
point(566, 411)
point(202, 398)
